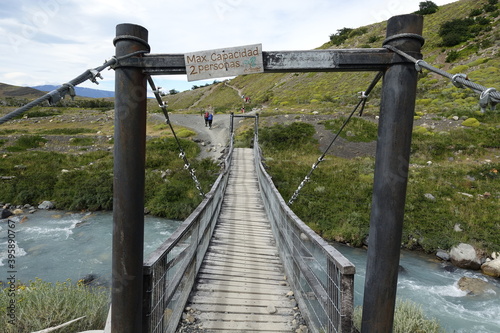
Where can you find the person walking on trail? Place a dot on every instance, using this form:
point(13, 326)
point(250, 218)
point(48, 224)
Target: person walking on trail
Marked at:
point(206, 118)
point(210, 118)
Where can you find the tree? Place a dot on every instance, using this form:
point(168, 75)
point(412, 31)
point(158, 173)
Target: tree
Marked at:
point(173, 91)
point(427, 7)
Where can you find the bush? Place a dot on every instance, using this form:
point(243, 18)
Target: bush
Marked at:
point(27, 142)
point(408, 317)
point(81, 190)
point(293, 136)
point(341, 36)
point(471, 122)
point(67, 131)
point(456, 31)
point(427, 7)
point(452, 56)
point(41, 305)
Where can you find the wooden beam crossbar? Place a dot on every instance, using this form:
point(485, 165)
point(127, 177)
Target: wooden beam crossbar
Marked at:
point(376, 59)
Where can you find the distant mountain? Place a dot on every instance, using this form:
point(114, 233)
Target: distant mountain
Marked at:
point(80, 91)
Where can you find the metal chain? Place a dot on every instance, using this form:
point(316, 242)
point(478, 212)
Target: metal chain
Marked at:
point(163, 106)
point(362, 101)
point(488, 96)
point(68, 88)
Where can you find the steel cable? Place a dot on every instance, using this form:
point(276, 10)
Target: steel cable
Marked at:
point(362, 102)
point(182, 154)
point(57, 94)
point(488, 95)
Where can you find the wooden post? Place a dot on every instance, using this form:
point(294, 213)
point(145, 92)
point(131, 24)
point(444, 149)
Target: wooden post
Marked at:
point(391, 175)
point(128, 192)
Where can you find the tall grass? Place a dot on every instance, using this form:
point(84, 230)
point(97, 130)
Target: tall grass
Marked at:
point(40, 305)
point(408, 317)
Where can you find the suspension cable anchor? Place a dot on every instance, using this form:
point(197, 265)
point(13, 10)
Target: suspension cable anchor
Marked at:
point(363, 95)
point(70, 90)
point(95, 74)
point(486, 99)
point(455, 81)
point(54, 97)
point(419, 66)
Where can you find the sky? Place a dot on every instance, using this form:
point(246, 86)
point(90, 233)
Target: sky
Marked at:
point(54, 41)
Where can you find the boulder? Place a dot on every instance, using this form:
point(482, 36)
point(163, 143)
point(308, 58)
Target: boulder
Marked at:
point(5, 213)
point(473, 286)
point(46, 205)
point(465, 256)
point(443, 255)
point(491, 268)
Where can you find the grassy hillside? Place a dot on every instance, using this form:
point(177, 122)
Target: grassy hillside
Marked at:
point(9, 91)
point(478, 57)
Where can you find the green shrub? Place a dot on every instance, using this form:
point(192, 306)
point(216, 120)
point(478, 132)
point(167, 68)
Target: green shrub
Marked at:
point(81, 141)
point(185, 133)
point(358, 32)
point(452, 56)
point(38, 112)
point(83, 189)
point(340, 36)
point(471, 122)
point(293, 136)
point(27, 142)
point(408, 317)
point(67, 131)
point(456, 31)
point(41, 305)
point(427, 7)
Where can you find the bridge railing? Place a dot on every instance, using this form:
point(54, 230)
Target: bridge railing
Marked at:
point(321, 277)
point(170, 272)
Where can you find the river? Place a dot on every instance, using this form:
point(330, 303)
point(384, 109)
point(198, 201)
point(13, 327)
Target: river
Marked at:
point(425, 281)
point(56, 246)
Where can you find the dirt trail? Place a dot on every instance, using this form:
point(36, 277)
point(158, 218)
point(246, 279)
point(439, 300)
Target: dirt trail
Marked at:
point(213, 141)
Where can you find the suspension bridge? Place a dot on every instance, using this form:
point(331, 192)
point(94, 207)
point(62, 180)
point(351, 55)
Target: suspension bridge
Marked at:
point(243, 261)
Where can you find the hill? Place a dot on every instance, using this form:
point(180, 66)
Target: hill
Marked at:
point(477, 56)
point(7, 90)
point(80, 91)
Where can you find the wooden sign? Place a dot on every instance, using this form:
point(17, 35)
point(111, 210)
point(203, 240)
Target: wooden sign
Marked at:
point(224, 62)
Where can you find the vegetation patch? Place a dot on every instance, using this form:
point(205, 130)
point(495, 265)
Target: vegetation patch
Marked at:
point(357, 130)
point(85, 181)
point(81, 141)
point(27, 142)
point(408, 317)
point(336, 201)
point(41, 305)
point(67, 131)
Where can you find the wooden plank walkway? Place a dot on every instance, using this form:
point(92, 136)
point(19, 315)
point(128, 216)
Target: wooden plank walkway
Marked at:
point(241, 285)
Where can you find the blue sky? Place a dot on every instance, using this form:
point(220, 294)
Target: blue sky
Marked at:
point(53, 41)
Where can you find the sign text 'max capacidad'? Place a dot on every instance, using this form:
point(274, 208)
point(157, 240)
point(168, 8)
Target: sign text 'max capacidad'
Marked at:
point(224, 62)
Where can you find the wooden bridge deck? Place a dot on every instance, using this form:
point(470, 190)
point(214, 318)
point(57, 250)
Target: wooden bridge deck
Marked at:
point(241, 285)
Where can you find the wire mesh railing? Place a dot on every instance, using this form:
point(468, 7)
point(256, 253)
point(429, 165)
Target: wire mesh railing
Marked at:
point(322, 278)
point(170, 272)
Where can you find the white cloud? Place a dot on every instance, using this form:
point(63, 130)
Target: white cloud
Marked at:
point(52, 41)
